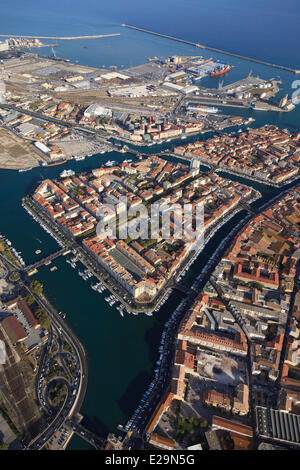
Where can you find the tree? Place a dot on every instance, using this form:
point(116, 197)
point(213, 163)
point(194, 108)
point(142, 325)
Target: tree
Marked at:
point(30, 299)
point(36, 287)
point(43, 318)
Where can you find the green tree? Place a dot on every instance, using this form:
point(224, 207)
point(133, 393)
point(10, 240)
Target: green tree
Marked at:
point(36, 287)
point(30, 299)
point(43, 318)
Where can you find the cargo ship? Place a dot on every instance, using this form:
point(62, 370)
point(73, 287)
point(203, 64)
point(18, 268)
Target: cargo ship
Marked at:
point(58, 162)
point(203, 109)
point(220, 70)
point(54, 57)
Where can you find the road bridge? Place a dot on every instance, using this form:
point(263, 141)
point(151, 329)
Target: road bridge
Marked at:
point(89, 436)
point(247, 207)
point(182, 288)
point(47, 259)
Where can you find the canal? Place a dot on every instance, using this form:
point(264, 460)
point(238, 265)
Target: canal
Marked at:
point(121, 351)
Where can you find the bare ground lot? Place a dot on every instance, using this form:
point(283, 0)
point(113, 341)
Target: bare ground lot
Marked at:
point(15, 153)
point(30, 65)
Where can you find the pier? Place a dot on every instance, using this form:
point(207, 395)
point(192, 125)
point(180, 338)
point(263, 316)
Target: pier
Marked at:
point(213, 49)
point(95, 36)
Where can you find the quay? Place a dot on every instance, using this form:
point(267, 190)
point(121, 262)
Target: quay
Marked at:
point(213, 49)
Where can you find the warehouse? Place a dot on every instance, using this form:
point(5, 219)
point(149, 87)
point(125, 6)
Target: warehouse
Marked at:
point(278, 425)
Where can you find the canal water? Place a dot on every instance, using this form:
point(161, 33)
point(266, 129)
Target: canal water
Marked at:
point(122, 351)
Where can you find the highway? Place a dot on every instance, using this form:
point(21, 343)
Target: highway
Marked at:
point(72, 403)
point(70, 407)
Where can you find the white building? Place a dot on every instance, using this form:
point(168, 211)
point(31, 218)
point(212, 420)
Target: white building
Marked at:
point(4, 46)
point(97, 110)
point(42, 147)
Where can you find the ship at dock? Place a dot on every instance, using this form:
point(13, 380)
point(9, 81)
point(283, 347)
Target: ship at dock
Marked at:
point(202, 109)
point(58, 162)
point(219, 70)
point(78, 158)
point(21, 170)
point(54, 57)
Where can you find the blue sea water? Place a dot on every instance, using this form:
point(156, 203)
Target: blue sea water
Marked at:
point(267, 29)
point(119, 366)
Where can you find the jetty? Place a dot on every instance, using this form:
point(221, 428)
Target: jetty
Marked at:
point(95, 36)
point(213, 49)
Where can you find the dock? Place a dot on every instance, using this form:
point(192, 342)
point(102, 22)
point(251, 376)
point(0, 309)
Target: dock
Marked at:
point(213, 49)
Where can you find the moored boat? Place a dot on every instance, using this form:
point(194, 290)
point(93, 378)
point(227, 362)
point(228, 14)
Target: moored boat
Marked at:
point(220, 70)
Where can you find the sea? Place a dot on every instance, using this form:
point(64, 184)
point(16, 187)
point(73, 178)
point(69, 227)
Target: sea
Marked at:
point(122, 351)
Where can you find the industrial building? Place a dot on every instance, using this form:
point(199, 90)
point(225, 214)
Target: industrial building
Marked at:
point(97, 110)
point(279, 425)
point(176, 76)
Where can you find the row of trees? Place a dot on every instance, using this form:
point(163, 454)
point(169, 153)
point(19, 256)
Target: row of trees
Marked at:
point(43, 318)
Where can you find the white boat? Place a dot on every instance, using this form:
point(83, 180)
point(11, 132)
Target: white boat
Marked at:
point(21, 170)
point(66, 173)
point(110, 163)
